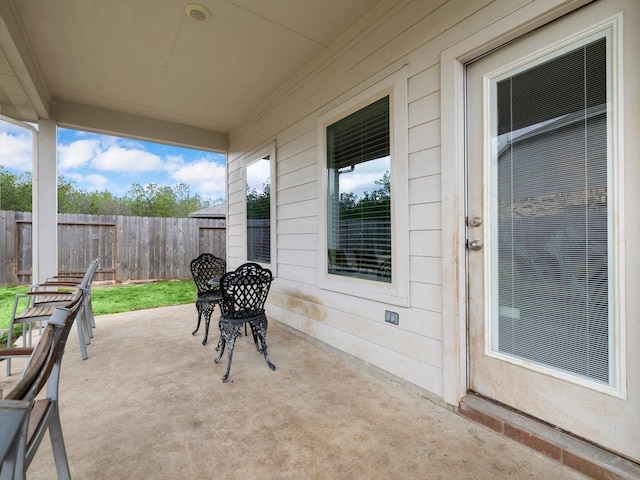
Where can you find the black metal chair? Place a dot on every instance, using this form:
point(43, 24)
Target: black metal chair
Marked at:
point(244, 293)
point(206, 271)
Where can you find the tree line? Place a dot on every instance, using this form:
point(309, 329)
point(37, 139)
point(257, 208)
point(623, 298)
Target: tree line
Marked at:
point(259, 202)
point(370, 205)
point(151, 200)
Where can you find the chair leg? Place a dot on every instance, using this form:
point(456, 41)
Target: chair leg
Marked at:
point(92, 318)
point(13, 465)
point(86, 328)
point(10, 332)
point(87, 317)
point(254, 334)
point(259, 327)
point(232, 342)
point(199, 308)
point(82, 338)
point(220, 339)
point(57, 443)
point(9, 335)
point(229, 333)
point(26, 330)
point(221, 346)
point(266, 356)
point(207, 310)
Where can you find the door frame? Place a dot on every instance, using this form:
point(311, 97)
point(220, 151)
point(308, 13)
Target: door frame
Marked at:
point(453, 140)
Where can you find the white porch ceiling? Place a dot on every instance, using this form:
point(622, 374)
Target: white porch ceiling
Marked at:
point(146, 58)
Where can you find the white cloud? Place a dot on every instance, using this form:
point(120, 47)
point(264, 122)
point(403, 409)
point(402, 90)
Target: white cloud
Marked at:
point(92, 182)
point(174, 163)
point(258, 173)
point(96, 182)
point(204, 177)
point(77, 154)
point(364, 176)
point(16, 149)
point(107, 140)
point(118, 159)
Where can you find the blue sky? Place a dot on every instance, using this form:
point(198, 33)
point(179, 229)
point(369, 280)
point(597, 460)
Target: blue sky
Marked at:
point(102, 162)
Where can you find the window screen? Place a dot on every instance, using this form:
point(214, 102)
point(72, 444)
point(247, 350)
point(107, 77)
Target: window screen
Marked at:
point(359, 194)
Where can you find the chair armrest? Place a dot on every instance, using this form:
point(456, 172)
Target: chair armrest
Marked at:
point(16, 352)
point(57, 283)
point(44, 293)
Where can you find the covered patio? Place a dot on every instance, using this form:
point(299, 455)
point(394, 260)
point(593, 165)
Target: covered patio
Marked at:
point(266, 85)
point(149, 403)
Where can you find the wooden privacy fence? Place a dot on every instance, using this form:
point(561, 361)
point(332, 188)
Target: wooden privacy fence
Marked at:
point(132, 248)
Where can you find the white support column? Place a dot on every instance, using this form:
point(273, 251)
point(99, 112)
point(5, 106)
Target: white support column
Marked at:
point(45, 203)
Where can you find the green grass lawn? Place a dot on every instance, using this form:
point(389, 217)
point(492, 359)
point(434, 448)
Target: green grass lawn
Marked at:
point(117, 298)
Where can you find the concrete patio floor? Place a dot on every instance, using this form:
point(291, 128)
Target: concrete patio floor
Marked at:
point(149, 404)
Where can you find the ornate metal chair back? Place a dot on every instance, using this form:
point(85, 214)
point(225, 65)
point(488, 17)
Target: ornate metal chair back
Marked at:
point(206, 267)
point(245, 290)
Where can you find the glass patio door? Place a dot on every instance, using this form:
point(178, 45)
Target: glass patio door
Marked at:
point(547, 329)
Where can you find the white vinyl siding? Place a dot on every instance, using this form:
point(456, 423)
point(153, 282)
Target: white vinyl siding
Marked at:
point(407, 37)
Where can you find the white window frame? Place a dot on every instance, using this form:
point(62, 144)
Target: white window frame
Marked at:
point(397, 291)
point(257, 155)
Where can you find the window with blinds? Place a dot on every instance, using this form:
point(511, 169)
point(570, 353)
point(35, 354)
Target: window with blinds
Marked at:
point(550, 211)
point(259, 211)
point(359, 194)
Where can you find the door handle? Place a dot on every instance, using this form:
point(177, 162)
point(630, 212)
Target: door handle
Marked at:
point(475, 245)
point(475, 222)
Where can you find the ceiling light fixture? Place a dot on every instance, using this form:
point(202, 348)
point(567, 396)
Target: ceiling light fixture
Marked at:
point(197, 12)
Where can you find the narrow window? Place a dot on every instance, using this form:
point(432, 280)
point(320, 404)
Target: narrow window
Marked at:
point(359, 194)
point(259, 210)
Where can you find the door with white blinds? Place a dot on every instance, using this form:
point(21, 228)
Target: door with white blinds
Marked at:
point(547, 329)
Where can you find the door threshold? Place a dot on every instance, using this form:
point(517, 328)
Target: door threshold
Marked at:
point(588, 459)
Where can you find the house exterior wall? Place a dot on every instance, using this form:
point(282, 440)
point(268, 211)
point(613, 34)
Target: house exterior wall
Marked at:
point(427, 348)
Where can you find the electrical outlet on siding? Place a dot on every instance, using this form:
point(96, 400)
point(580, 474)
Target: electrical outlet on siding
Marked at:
point(391, 317)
